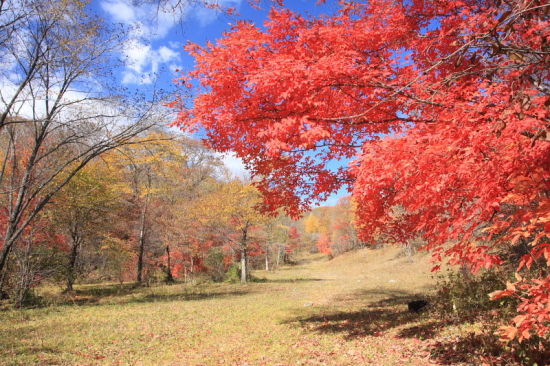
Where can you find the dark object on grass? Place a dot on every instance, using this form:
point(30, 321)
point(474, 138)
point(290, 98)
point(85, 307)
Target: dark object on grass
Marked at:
point(417, 305)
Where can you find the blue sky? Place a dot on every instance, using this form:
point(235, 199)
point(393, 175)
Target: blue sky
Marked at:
point(153, 47)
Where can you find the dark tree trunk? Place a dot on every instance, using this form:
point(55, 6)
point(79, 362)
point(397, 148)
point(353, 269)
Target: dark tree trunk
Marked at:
point(3, 275)
point(169, 276)
point(6, 249)
point(244, 259)
point(73, 257)
point(141, 252)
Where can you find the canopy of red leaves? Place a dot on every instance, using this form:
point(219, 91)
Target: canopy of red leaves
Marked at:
point(443, 105)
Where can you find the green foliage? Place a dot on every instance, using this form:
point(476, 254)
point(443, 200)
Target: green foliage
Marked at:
point(117, 256)
point(27, 298)
point(464, 295)
point(257, 279)
point(155, 275)
point(214, 264)
point(233, 273)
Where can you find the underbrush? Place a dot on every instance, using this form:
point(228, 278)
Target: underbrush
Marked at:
point(233, 275)
point(463, 298)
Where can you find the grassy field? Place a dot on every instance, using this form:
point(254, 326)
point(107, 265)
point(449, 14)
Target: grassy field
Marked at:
point(348, 311)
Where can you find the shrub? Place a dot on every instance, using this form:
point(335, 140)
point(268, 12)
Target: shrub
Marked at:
point(233, 273)
point(154, 275)
point(214, 263)
point(465, 295)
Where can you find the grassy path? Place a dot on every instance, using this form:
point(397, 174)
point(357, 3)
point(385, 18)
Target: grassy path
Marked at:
point(348, 311)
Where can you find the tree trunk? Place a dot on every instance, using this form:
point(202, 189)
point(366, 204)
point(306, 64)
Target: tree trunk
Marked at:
point(247, 257)
point(169, 276)
point(142, 241)
point(409, 250)
point(16, 207)
point(71, 269)
point(244, 262)
point(243, 265)
point(6, 249)
point(465, 271)
point(26, 276)
point(278, 255)
point(3, 274)
point(267, 260)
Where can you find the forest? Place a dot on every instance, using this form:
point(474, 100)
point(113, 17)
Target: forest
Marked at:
point(119, 208)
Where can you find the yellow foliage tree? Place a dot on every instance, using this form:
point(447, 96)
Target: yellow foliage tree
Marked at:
point(232, 207)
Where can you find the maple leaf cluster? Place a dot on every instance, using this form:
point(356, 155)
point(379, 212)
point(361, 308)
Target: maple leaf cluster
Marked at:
point(443, 105)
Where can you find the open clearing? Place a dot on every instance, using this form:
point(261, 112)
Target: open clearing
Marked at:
point(351, 310)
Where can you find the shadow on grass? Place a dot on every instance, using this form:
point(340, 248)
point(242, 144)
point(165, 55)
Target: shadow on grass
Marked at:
point(188, 296)
point(107, 290)
point(10, 342)
point(368, 322)
point(98, 295)
point(379, 316)
point(295, 280)
point(387, 297)
point(108, 294)
point(390, 313)
point(460, 349)
point(472, 347)
point(427, 330)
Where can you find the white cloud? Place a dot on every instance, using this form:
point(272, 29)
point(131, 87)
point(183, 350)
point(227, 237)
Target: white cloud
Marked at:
point(129, 77)
point(146, 20)
point(120, 11)
point(72, 103)
point(143, 62)
point(148, 23)
point(166, 54)
point(235, 165)
point(138, 55)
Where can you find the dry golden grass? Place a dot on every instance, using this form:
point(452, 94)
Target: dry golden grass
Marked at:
point(348, 311)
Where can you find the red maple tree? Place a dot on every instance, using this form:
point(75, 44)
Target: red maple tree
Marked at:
point(443, 105)
point(323, 245)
